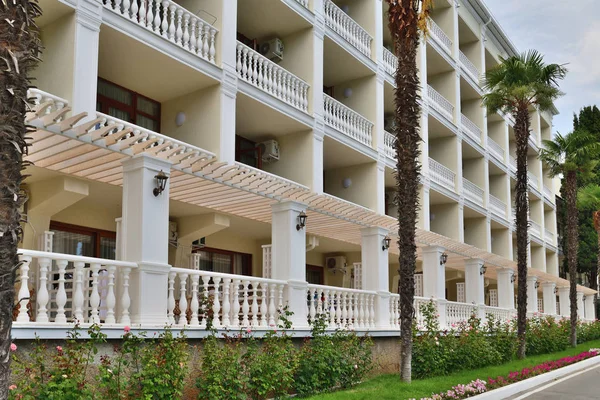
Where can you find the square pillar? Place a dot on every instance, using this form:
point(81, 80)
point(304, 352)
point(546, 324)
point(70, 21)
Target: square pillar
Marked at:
point(375, 275)
point(532, 294)
point(289, 257)
point(549, 298)
point(474, 281)
point(580, 311)
point(144, 232)
point(434, 279)
point(563, 299)
point(506, 288)
point(590, 310)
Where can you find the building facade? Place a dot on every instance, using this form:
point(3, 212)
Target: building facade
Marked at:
point(269, 120)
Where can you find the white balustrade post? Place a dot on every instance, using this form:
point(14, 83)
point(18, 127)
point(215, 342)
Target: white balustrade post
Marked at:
point(145, 228)
point(375, 272)
point(182, 299)
point(194, 304)
point(506, 288)
point(580, 310)
point(563, 299)
point(78, 298)
point(474, 284)
point(94, 296)
point(549, 298)
point(289, 257)
point(125, 299)
point(590, 311)
point(434, 279)
point(532, 294)
point(61, 294)
point(23, 296)
point(42, 296)
point(111, 299)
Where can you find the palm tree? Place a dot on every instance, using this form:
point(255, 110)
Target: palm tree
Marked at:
point(407, 19)
point(19, 48)
point(588, 197)
point(514, 86)
point(571, 155)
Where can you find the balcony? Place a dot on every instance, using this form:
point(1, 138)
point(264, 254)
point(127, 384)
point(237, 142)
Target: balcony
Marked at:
point(533, 180)
point(473, 192)
point(438, 34)
point(388, 145)
point(390, 62)
point(496, 149)
point(469, 66)
point(535, 228)
point(548, 194)
point(172, 22)
point(472, 130)
point(513, 163)
point(442, 175)
point(347, 28)
point(497, 206)
point(440, 103)
point(269, 77)
point(40, 97)
point(347, 121)
point(549, 235)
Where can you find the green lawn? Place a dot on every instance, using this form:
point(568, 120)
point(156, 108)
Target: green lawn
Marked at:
point(390, 387)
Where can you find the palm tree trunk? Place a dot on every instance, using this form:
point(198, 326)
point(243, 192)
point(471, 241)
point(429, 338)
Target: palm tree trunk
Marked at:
point(572, 243)
point(19, 47)
point(403, 16)
point(596, 216)
point(521, 221)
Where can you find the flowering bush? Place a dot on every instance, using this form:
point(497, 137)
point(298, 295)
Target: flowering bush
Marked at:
point(460, 391)
point(545, 335)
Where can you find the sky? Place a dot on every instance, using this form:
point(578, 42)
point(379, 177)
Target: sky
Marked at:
point(565, 32)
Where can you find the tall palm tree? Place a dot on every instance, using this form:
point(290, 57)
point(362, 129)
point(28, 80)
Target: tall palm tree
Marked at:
point(514, 86)
point(407, 19)
point(19, 48)
point(571, 155)
point(588, 197)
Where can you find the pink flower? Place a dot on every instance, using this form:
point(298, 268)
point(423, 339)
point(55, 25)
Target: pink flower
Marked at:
point(59, 349)
point(249, 330)
point(127, 329)
point(13, 347)
point(12, 387)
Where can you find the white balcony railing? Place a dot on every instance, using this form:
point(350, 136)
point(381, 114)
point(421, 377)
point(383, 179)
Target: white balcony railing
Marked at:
point(469, 66)
point(500, 314)
point(69, 288)
point(37, 97)
point(438, 34)
point(261, 72)
point(548, 193)
point(169, 20)
point(388, 144)
point(470, 128)
point(496, 149)
point(347, 28)
point(513, 163)
point(390, 62)
point(458, 312)
point(497, 206)
point(442, 175)
point(440, 102)
point(549, 235)
point(347, 121)
point(533, 180)
point(473, 192)
point(535, 228)
point(303, 2)
point(344, 307)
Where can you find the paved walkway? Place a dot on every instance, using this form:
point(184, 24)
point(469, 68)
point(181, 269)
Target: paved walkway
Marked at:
point(583, 385)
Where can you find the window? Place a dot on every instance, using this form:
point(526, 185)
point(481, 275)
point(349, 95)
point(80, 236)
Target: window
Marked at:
point(83, 241)
point(315, 275)
point(227, 262)
point(127, 105)
point(247, 152)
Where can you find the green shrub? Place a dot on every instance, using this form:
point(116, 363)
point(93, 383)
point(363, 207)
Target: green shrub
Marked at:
point(545, 335)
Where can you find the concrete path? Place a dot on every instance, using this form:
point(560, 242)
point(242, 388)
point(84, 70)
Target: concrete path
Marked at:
point(582, 385)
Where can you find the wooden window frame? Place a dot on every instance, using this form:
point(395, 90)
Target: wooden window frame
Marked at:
point(97, 234)
point(107, 102)
point(319, 269)
point(246, 271)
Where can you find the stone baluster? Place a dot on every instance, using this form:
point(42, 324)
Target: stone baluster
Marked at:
point(245, 305)
point(94, 296)
point(179, 28)
point(110, 297)
point(329, 295)
point(61, 294)
point(194, 305)
point(157, 21)
point(164, 24)
point(42, 296)
point(186, 31)
point(150, 14)
point(272, 308)
point(134, 10)
point(117, 6)
point(235, 309)
point(125, 298)
point(23, 296)
point(216, 303)
point(254, 304)
point(212, 50)
point(171, 299)
point(311, 301)
point(226, 303)
point(206, 42)
point(205, 297)
point(142, 13)
point(245, 63)
point(182, 299)
point(78, 298)
point(193, 35)
point(171, 33)
point(351, 309)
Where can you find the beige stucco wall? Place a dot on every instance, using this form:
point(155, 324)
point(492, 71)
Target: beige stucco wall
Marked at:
point(363, 188)
point(294, 150)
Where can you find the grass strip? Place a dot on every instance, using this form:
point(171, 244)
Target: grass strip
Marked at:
point(389, 386)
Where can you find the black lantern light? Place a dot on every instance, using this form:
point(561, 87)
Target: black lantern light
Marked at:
point(482, 269)
point(301, 221)
point(386, 243)
point(537, 284)
point(513, 278)
point(443, 258)
point(161, 182)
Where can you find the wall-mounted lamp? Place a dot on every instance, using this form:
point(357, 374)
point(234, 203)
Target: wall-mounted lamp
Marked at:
point(555, 290)
point(482, 269)
point(513, 278)
point(537, 285)
point(301, 221)
point(443, 258)
point(161, 183)
point(348, 92)
point(386, 243)
point(584, 297)
point(179, 118)
point(346, 183)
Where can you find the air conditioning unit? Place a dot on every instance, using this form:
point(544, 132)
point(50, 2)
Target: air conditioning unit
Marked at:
point(336, 264)
point(273, 49)
point(269, 150)
point(172, 231)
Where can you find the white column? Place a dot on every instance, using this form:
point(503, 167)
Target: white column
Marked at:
point(289, 257)
point(549, 298)
point(315, 98)
point(506, 288)
point(375, 272)
point(563, 299)
point(145, 229)
point(532, 294)
point(590, 311)
point(434, 279)
point(474, 281)
point(580, 311)
point(85, 57)
point(380, 192)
